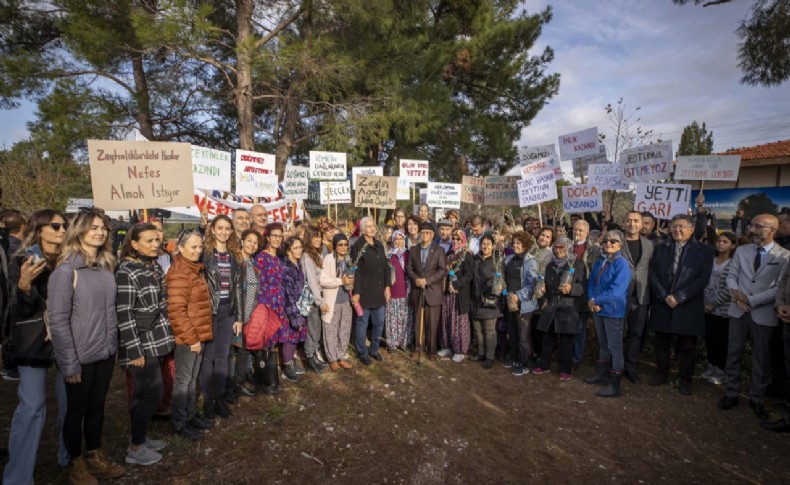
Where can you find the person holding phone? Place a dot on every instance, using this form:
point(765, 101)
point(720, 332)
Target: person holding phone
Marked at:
point(145, 335)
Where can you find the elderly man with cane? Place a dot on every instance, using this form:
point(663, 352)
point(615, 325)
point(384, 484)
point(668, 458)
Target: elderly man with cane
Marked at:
point(427, 268)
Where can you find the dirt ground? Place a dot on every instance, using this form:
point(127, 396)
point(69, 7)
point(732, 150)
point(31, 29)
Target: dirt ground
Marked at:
point(444, 422)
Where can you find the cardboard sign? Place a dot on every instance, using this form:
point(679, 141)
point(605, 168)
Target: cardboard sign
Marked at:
point(581, 198)
point(404, 189)
point(376, 192)
point(708, 167)
point(295, 182)
point(415, 171)
point(356, 171)
point(579, 144)
point(540, 165)
point(210, 169)
point(251, 168)
point(501, 190)
point(335, 192)
point(134, 175)
point(473, 190)
point(328, 166)
point(444, 195)
point(580, 165)
point(662, 200)
point(647, 163)
point(536, 188)
point(527, 155)
point(606, 176)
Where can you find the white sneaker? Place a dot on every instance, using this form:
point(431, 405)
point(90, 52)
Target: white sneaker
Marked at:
point(143, 456)
point(458, 357)
point(708, 372)
point(155, 445)
point(445, 353)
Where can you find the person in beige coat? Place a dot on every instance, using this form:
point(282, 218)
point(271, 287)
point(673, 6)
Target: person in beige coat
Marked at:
point(336, 312)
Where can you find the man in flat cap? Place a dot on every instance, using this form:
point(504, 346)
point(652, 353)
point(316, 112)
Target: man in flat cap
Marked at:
point(426, 270)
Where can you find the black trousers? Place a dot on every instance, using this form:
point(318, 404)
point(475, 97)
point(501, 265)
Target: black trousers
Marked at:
point(636, 321)
point(717, 334)
point(85, 407)
point(430, 329)
point(564, 350)
point(687, 349)
point(146, 397)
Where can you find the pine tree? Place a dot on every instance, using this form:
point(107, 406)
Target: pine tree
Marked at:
point(695, 140)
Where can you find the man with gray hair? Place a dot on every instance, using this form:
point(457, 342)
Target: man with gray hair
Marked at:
point(585, 250)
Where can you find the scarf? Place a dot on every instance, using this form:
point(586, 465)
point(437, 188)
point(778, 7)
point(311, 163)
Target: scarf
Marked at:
point(458, 253)
point(560, 263)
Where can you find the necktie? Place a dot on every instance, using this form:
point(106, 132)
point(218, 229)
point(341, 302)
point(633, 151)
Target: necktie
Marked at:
point(758, 258)
point(678, 252)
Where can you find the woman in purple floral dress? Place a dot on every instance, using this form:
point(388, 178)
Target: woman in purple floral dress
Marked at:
point(455, 333)
point(293, 331)
point(398, 320)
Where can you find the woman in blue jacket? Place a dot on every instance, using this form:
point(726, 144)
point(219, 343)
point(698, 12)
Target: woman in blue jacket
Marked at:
point(607, 293)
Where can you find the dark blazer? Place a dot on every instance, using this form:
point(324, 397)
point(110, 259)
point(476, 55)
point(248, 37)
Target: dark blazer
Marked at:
point(562, 309)
point(639, 269)
point(434, 270)
point(463, 285)
point(688, 285)
point(373, 273)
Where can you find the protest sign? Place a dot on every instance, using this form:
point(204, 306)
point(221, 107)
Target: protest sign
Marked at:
point(295, 182)
point(415, 171)
point(581, 164)
point(536, 188)
point(279, 211)
point(267, 186)
point(527, 155)
point(251, 168)
point(404, 189)
point(376, 192)
point(328, 166)
point(501, 190)
point(356, 171)
point(647, 163)
point(552, 163)
point(423, 198)
point(662, 200)
point(581, 198)
point(606, 176)
point(708, 167)
point(210, 169)
point(473, 190)
point(134, 175)
point(335, 192)
point(579, 144)
point(444, 195)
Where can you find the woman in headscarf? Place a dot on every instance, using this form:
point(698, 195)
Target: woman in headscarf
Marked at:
point(398, 319)
point(335, 282)
point(455, 331)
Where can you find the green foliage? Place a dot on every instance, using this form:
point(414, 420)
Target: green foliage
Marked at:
point(696, 140)
point(757, 204)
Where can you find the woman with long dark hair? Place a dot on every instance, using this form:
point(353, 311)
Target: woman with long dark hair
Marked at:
point(145, 335)
point(271, 295)
point(717, 299)
point(250, 246)
point(335, 282)
point(486, 299)
point(293, 330)
point(312, 263)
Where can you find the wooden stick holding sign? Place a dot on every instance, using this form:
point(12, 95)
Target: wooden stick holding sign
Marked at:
point(540, 215)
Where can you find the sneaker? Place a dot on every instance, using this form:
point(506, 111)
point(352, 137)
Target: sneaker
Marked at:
point(708, 372)
point(142, 456)
point(488, 364)
point(458, 358)
point(477, 358)
point(510, 364)
point(298, 367)
point(377, 356)
point(520, 370)
point(289, 373)
point(101, 467)
point(188, 432)
point(156, 445)
point(717, 380)
point(565, 377)
point(445, 353)
point(538, 371)
point(199, 423)
point(319, 355)
point(79, 474)
point(10, 375)
point(364, 360)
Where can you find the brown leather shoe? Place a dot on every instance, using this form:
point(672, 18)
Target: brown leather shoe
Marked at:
point(79, 474)
point(101, 467)
point(344, 364)
point(334, 366)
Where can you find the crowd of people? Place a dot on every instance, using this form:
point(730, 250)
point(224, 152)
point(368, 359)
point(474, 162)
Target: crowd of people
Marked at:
point(224, 311)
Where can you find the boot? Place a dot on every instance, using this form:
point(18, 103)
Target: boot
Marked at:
point(222, 409)
point(101, 467)
point(613, 388)
point(209, 408)
point(79, 474)
point(314, 366)
point(601, 376)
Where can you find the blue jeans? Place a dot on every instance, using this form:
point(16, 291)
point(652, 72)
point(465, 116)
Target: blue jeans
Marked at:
point(28, 422)
point(376, 315)
point(580, 338)
point(610, 341)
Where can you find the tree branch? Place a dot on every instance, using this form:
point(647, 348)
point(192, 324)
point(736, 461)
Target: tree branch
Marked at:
point(285, 23)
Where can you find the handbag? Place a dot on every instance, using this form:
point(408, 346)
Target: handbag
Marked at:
point(146, 321)
point(30, 340)
point(305, 302)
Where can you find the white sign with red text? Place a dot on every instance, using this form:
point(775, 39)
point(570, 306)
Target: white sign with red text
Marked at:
point(579, 144)
point(328, 166)
point(647, 163)
point(581, 198)
point(415, 171)
point(251, 170)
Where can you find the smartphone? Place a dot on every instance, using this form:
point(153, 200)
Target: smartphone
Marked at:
point(35, 251)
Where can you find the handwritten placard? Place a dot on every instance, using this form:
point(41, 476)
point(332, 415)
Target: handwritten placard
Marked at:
point(579, 144)
point(356, 171)
point(335, 192)
point(251, 168)
point(404, 189)
point(267, 186)
point(541, 165)
point(662, 200)
point(527, 155)
point(708, 167)
point(473, 190)
point(581, 198)
point(444, 195)
point(501, 190)
point(536, 188)
point(606, 176)
point(647, 163)
point(133, 175)
point(415, 171)
point(328, 166)
point(296, 184)
point(376, 191)
point(210, 169)
point(581, 164)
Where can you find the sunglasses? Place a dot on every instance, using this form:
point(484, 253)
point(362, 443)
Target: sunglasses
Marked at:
point(611, 241)
point(57, 225)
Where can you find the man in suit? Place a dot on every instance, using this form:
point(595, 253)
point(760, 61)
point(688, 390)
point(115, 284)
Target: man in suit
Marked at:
point(637, 250)
point(678, 274)
point(426, 269)
point(753, 279)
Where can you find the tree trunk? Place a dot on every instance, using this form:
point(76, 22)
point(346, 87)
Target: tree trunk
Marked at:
point(244, 46)
point(287, 134)
point(142, 96)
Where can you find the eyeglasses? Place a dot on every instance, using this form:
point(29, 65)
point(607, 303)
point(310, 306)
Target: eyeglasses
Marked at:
point(276, 236)
point(560, 247)
point(341, 244)
point(57, 225)
point(759, 226)
point(611, 241)
point(680, 227)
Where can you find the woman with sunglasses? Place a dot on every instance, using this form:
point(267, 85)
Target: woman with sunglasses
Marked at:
point(398, 318)
point(607, 294)
point(455, 333)
point(335, 281)
point(28, 274)
point(145, 335)
point(189, 309)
